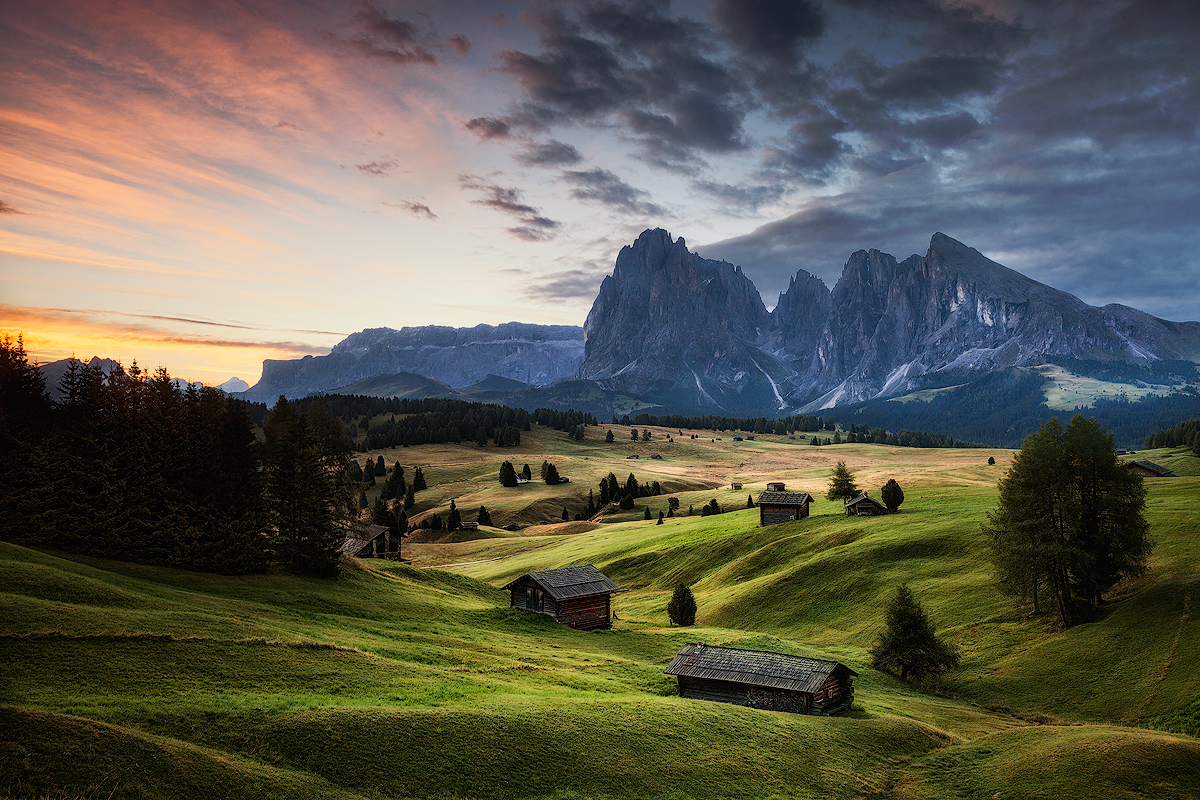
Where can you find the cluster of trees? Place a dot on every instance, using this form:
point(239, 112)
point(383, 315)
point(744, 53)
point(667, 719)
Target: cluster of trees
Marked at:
point(1185, 434)
point(1069, 522)
point(128, 465)
point(567, 420)
point(425, 421)
point(783, 426)
point(624, 494)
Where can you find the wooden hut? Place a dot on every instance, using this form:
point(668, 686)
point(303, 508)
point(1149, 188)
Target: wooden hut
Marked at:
point(370, 541)
point(575, 596)
point(735, 485)
point(864, 506)
point(775, 507)
point(762, 679)
point(1148, 469)
point(775, 486)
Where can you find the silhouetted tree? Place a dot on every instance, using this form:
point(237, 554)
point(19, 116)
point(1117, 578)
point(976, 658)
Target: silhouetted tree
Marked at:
point(892, 495)
point(508, 476)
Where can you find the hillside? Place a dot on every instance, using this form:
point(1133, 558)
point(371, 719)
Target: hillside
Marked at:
point(414, 681)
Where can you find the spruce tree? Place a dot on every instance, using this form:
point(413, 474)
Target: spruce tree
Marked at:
point(566, 515)
point(646, 516)
point(841, 484)
point(508, 476)
point(483, 518)
point(454, 519)
point(527, 472)
point(749, 501)
point(682, 607)
point(419, 481)
point(909, 644)
point(380, 467)
point(362, 500)
point(608, 437)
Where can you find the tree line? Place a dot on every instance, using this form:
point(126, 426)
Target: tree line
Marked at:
point(128, 465)
point(1185, 434)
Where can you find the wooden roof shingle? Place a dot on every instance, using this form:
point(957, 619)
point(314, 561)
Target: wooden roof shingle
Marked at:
point(568, 582)
point(784, 498)
point(756, 667)
point(1157, 469)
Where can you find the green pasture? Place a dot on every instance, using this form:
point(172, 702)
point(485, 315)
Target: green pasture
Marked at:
point(396, 680)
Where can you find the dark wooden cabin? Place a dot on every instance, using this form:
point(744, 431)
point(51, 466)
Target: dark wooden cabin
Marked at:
point(575, 596)
point(865, 506)
point(1148, 469)
point(775, 507)
point(762, 679)
point(371, 541)
point(776, 486)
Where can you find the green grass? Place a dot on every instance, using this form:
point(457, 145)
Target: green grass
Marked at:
point(120, 680)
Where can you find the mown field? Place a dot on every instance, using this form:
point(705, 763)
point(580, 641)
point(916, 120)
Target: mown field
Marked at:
point(398, 680)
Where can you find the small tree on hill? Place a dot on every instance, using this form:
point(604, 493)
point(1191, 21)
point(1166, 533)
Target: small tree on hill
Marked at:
point(362, 500)
point(841, 484)
point(749, 501)
point(646, 516)
point(633, 434)
point(909, 645)
point(410, 499)
point(991, 461)
point(551, 475)
point(682, 608)
point(566, 515)
point(660, 518)
point(484, 517)
point(892, 495)
point(418, 483)
point(608, 437)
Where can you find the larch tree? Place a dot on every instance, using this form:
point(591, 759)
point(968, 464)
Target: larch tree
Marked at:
point(841, 484)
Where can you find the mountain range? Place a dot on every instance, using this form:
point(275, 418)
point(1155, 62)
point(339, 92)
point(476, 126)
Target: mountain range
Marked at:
point(691, 335)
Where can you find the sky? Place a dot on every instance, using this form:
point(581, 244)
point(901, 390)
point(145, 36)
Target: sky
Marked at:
point(204, 185)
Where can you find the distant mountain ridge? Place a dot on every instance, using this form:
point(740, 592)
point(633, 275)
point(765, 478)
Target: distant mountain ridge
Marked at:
point(457, 357)
point(673, 330)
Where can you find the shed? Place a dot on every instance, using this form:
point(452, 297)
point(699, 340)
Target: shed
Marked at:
point(864, 506)
point(370, 541)
point(775, 507)
point(775, 486)
point(575, 596)
point(469, 526)
point(762, 679)
point(1148, 469)
point(737, 438)
point(735, 485)
point(657, 456)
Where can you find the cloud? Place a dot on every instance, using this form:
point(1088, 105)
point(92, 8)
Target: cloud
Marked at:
point(552, 153)
point(533, 226)
point(5, 208)
point(604, 187)
point(417, 209)
point(774, 30)
point(403, 41)
point(378, 168)
point(570, 284)
point(489, 127)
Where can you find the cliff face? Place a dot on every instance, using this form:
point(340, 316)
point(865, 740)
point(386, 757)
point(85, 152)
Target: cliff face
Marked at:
point(679, 329)
point(693, 335)
point(536, 354)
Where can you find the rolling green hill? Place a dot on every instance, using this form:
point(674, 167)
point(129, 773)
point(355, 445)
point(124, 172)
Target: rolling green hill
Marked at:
point(119, 680)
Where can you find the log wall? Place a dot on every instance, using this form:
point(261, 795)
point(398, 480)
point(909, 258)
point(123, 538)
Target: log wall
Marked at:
point(586, 613)
point(743, 694)
point(771, 515)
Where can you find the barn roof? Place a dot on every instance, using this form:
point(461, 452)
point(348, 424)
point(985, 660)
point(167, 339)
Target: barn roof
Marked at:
point(784, 498)
point(1158, 470)
point(864, 498)
point(359, 537)
point(565, 583)
point(756, 667)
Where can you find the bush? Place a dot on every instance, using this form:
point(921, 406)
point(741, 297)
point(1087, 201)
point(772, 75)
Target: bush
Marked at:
point(682, 608)
point(892, 495)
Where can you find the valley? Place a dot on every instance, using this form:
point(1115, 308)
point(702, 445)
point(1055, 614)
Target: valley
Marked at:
point(417, 680)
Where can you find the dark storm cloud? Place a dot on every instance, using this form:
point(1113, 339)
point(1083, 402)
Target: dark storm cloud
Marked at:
point(548, 154)
point(403, 41)
point(773, 29)
point(634, 67)
point(601, 186)
point(532, 227)
point(411, 207)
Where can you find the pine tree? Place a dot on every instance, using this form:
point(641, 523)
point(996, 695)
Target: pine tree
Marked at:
point(362, 500)
point(646, 516)
point(454, 519)
point(660, 518)
point(550, 474)
point(749, 501)
point(841, 484)
point(608, 437)
point(380, 467)
point(508, 476)
point(410, 499)
point(909, 643)
point(892, 495)
point(483, 518)
point(991, 461)
point(419, 481)
point(566, 515)
point(527, 472)
point(682, 608)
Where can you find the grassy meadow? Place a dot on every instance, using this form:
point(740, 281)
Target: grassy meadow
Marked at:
point(416, 680)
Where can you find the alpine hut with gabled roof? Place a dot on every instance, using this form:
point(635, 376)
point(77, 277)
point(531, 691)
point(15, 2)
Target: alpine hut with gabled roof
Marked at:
point(775, 507)
point(1148, 469)
point(575, 596)
point(865, 506)
point(371, 541)
point(762, 679)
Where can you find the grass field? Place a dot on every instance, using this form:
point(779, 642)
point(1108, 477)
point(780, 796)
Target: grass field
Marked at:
point(120, 680)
